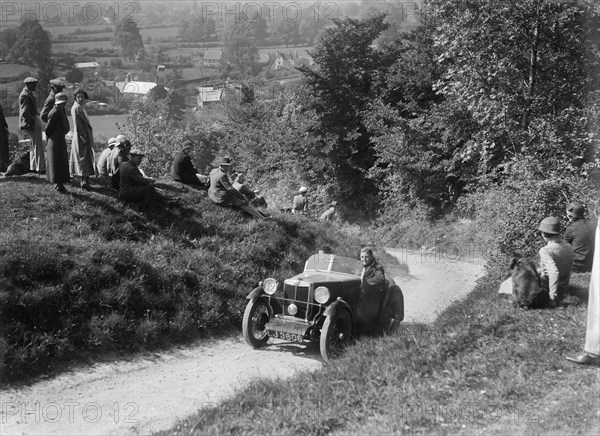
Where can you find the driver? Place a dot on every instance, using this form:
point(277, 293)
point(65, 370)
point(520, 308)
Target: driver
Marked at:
point(372, 283)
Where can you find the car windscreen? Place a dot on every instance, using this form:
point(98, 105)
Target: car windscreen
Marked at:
point(333, 263)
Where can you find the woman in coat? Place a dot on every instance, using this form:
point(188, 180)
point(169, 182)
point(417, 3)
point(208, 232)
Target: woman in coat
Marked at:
point(57, 162)
point(82, 152)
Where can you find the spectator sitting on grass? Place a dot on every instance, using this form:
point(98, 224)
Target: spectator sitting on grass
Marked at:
point(135, 188)
point(104, 158)
point(300, 202)
point(121, 157)
point(556, 261)
point(580, 234)
point(222, 193)
point(183, 169)
point(329, 214)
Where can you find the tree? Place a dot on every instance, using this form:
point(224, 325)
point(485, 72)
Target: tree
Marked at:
point(8, 37)
point(128, 38)
point(240, 48)
point(33, 46)
point(74, 76)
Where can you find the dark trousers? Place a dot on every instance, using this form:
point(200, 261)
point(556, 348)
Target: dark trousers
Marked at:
point(145, 195)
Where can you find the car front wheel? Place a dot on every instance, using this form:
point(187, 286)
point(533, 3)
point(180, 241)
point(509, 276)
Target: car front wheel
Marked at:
point(256, 316)
point(335, 335)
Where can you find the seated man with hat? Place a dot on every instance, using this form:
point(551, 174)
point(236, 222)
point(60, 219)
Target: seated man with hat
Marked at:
point(119, 155)
point(223, 193)
point(104, 158)
point(134, 187)
point(183, 169)
point(580, 234)
point(556, 261)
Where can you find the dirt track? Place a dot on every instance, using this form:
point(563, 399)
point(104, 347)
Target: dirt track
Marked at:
point(151, 392)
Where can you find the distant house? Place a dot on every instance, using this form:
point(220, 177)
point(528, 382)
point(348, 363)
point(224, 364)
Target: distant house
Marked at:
point(208, 95)
point(290, 59)
point(281, 61)
point(134, 88)
point(264, 59)
point(83, 65)
point(213, 57)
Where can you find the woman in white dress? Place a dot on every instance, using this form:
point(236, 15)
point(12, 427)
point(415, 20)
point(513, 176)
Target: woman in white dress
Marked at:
point(82, 147)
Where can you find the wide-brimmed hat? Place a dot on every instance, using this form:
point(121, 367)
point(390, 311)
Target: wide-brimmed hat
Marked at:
point(187, 144)
point(57, 82)
point(61, 98)
point(112, 141)
point(303, 189)
point(226, 161)
point(81, 91)
point(30, 80)
point(121, 138)
point(550, 225)
point(136, 152)
point(576, 210)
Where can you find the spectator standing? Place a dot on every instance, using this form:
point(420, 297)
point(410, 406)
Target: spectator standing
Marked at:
point(591, 350)
point(580, 234)
point(57, 164)
point(56, 86)
point(103, 160)
point(300, 202)
point(82, 147)
point(31, 125)
point(4, 148)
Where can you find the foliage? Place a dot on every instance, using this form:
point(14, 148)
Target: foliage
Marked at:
point(240, 48)
point(74, 76)
point(127, 38)
point(32, 46)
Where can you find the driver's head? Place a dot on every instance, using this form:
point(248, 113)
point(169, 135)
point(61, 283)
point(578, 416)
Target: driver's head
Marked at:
point(366, 256)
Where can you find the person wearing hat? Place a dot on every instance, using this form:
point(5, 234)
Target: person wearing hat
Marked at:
point(135, 188)
point(591, 351)
point(556, 260)
point(103, 167)
point(580, 234)
point(82, 146)
point(31, 125)
point(329, 214)
point(56, 86)
point(112, 160)
point(57, 164)
point(300, 202)
point(123, 149)
point(223, 193)
point(183, 169)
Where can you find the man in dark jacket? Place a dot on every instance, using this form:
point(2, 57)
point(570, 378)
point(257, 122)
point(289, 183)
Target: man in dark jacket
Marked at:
point(223, 193)
point(183, 169)
point(31, 124)
point(56, 86)
point(4, 148)
point(373, 285)
point(580, 234)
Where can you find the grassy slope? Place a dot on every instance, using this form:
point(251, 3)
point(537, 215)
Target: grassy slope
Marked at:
point(84, 273)
point(483, 368)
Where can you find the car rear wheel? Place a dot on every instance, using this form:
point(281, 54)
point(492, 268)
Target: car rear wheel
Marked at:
point(335, 335)
point(256, 316)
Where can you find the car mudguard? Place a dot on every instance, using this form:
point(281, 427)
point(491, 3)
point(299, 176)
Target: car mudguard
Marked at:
point(256, 292)
point(336, 306)
point(396, 297)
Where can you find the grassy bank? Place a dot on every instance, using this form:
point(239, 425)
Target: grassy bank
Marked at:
point(483, 367)
point(83, 273)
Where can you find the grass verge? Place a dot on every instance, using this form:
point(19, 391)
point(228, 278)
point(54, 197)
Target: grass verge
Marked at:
point(483, 367)
point(84, 273)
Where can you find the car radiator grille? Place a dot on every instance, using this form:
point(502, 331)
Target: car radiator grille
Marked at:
point(300, 296)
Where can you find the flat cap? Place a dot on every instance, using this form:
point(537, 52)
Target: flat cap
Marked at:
point(136, 152)
point(57, 82)
point(30, 80)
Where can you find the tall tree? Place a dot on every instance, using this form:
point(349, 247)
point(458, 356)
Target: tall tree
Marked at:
point(128, 38)
point(33, 46)
point(240, 48)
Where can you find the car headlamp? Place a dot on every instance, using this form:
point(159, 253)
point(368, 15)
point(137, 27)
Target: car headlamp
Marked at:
point(322, 295)
point(270, 286)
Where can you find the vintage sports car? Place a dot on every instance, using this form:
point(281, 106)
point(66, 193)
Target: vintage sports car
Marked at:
point(325, 303)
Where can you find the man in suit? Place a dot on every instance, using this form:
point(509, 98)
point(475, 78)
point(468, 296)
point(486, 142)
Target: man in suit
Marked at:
point(223, 193)
point(56, 86)
point(31, 125)
point(183, 169)
point(580, 234)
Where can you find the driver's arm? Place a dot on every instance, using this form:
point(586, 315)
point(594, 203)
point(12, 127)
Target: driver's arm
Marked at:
point(377, 277)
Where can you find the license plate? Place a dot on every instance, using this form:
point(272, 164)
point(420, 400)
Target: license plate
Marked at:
point(285, 336)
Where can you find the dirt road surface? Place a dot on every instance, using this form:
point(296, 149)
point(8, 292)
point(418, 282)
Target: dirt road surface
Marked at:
point(151, 392)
